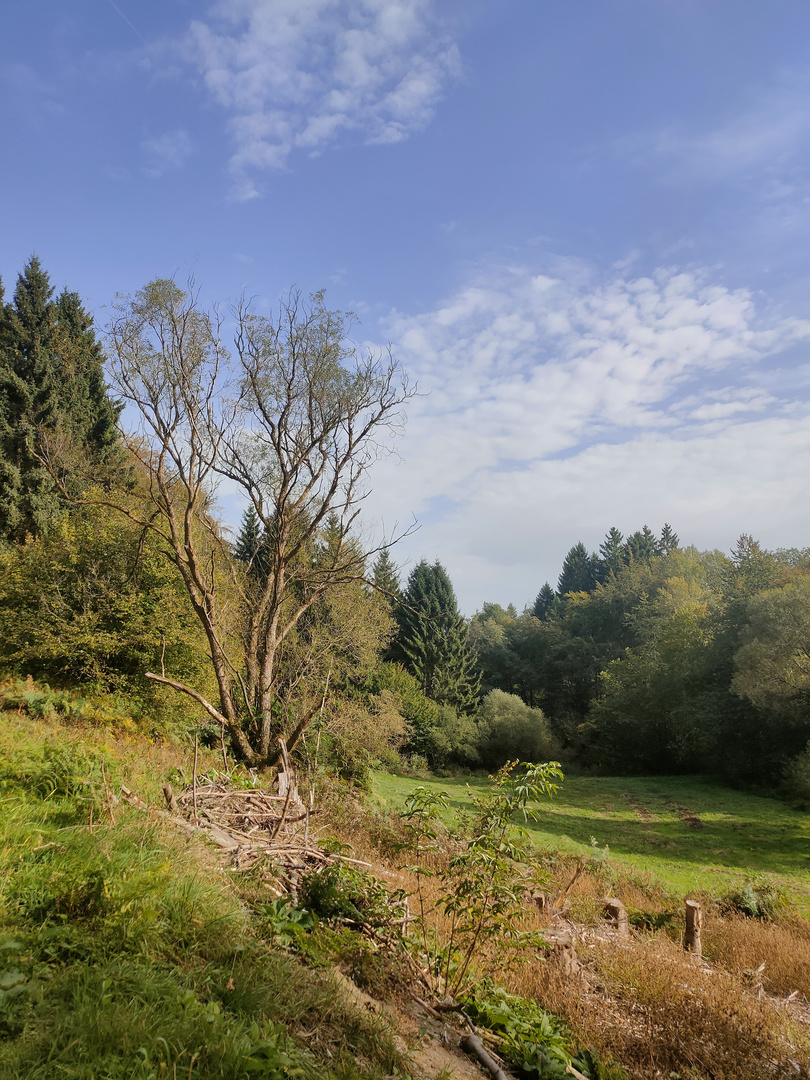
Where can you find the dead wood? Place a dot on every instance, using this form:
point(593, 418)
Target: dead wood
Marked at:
point(473, 1045)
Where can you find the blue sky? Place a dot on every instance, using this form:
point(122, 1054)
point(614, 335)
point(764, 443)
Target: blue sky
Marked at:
point(584, 227)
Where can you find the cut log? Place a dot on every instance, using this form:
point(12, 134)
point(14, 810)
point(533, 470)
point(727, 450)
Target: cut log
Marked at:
point(694, 922)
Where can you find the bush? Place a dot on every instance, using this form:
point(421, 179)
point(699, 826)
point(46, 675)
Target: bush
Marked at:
point(508, 729)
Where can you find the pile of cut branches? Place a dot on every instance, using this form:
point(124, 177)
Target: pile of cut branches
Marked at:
point(251, 825)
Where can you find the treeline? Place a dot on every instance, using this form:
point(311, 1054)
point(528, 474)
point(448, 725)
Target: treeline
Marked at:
point(652, 657)
point(117, 574)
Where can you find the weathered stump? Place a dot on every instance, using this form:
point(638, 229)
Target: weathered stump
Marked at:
point(694, 922)
point(616, 913)
point(563, 953)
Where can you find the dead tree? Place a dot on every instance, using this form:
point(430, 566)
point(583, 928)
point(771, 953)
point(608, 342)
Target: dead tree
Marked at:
point(294, 418)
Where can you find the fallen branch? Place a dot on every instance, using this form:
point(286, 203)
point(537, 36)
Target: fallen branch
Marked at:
point(473, 1046)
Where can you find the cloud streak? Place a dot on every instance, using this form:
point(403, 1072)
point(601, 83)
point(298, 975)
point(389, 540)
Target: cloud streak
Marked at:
point(296, 75)
point(561, 402)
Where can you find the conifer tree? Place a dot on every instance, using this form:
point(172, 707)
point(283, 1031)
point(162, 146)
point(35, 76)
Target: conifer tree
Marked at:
point(386, 577)
point(545, 604)
point(432, 639)
point(669, 541)
point(51, 385)
point(642, 545)
point(611, 554)
point(249, 543)
point(578, 572)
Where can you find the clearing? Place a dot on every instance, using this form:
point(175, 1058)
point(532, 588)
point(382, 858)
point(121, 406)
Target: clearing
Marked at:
point(694, 835)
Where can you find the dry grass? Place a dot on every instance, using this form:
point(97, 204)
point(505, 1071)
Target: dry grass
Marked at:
point(740, 945)
point(644, 1002)
point(658, 1013)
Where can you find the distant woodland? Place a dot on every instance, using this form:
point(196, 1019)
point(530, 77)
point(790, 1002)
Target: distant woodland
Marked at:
point(118, 577)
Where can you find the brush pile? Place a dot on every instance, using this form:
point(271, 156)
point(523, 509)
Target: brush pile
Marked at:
point(252, 825)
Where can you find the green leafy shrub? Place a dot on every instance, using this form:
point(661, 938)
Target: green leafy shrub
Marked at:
point(534, 1041)
point(758, 899)
point(509, 730)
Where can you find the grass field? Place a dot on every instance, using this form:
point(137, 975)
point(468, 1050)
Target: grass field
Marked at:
point(693, 835)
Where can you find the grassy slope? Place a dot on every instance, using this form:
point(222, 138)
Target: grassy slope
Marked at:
point(742, 835)
point(129, 953)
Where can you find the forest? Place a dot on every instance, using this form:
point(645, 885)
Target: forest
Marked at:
point(117, 574)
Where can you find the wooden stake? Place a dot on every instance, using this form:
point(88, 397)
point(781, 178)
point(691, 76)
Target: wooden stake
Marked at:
point(694, 922)
point(194, 781)
point(108, 795)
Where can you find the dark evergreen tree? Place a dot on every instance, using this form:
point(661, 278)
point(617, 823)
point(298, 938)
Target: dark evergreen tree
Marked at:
point(642, 545)
point(52, 389)
point(250, 548)
point(669, 541)
point(432, 639)
point(386, 577)
point(611, 554)
point(546, 603)
point(578, 572)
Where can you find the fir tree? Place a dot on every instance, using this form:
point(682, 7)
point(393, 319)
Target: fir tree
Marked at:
point(669, 541)
point(578, 572)
point(51, 385)
point(546, 603)
point(642, 545)
point(386, 577)
point(432, 639)
point(611, 554)
point(250, 543)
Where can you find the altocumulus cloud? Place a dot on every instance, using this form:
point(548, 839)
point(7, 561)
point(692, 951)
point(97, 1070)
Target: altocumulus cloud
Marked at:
point(297, 74)
point(558, 403)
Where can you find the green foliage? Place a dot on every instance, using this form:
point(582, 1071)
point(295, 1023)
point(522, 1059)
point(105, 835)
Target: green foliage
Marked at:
point(286, 923)
point(481, 886)
point(347, 894)
point(508, 730)
point(760, 898)
point(94, 602)
point(432, 639)
point(536, 1042)
point(53, 403)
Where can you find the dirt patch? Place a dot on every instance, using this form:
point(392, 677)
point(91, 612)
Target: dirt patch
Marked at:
point(687, 816)
point(640, 809)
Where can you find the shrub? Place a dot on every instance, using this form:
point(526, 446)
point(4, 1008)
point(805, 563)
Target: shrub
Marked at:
point(509, 729)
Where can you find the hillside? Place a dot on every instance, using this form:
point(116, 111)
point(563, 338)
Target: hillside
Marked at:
point(133, 950)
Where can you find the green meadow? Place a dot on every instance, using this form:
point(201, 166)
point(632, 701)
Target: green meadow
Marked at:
point(694, 835)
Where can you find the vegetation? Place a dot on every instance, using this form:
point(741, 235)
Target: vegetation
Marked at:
point(124, 953)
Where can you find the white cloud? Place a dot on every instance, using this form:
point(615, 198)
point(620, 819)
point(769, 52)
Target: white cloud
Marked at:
point(167, 152)
point(559, 403)
point(295, 74)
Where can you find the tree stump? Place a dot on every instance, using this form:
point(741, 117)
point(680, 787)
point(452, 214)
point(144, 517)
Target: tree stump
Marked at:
point(563, 953)
point(616, 913)
point(694, 922)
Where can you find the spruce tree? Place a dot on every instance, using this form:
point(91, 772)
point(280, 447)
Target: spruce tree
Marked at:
point(51, 386)
point(612, 554)
point(578, 572)
point(432, 639)
point(250, 546)
point(669, 540)
point(546, 603)
point(642, 545)
point(386, 577)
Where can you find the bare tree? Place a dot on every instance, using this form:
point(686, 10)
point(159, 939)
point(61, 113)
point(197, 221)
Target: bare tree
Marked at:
point(293, 417)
